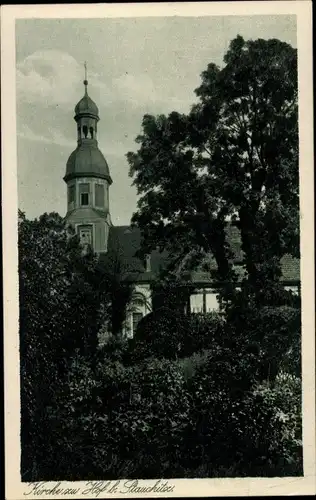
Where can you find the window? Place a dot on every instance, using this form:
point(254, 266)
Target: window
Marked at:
point(212, 303)
point(136, 319)
point(204, 301)
point(85, 235)
point(147, 263)
point(84, 199)
point(196, 303)
point(85, 130)
point(99, 195)
point(84, 191)
point(71, 194)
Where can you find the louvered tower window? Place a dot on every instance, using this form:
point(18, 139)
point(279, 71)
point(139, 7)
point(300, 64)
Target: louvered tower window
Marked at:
point(84, 194)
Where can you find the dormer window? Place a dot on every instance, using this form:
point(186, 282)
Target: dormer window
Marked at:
point(84, 193)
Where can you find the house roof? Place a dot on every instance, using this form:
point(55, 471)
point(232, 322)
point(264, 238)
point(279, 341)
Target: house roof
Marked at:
point(125, 241)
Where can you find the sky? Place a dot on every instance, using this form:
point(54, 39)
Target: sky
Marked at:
point(135, 66)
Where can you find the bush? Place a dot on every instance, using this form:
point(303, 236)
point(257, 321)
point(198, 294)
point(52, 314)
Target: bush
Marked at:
point(112, 422)
point(207, 414)
point(163, 418)
point(204, 331)
point(172, 335)
point(252, 432)
point(281, 341)
point(160, 334)
point(273, 333)
point(115, 348)
point(152, 421)
point(281, 432)
point(191, 364)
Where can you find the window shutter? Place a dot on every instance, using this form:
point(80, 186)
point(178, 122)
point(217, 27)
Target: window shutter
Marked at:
point(71, 194)
point(99, 195)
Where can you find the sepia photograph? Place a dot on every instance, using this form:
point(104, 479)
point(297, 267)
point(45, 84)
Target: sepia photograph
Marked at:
point(159, 249)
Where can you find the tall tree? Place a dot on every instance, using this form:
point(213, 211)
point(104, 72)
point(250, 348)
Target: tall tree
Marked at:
point(60, 297)
point(114, 275)
point(233, 158)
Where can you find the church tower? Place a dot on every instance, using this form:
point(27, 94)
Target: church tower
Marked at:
point(88, 180)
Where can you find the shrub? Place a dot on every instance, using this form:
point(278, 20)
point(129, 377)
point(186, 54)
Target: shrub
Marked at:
point(206, 414)
point(112, 421)
point(276, 415)
point(152, 421)
point(281, 341)
point(171, 335)
point(161, 419)
point(203, 331)
point(273, 333)
point(115, 348)
point(191, 364)
point(254, 432)
point(160, 334)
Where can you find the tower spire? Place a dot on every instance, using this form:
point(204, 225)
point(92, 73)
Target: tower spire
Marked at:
point(85, 82)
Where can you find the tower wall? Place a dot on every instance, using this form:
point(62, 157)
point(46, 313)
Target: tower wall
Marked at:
point(97, 190)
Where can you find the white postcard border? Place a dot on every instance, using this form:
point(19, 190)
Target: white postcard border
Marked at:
point(182, 487)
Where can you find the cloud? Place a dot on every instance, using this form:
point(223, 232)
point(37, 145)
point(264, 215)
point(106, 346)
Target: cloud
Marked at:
point(135, 89)
point(140, 91)
point(51, 77)
point(54, 137)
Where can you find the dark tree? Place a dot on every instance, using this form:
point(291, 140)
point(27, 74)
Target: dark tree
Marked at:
point(60, 298)
point(232, 160)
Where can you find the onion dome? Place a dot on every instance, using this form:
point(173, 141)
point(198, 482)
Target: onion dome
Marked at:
point(87, 161)
point(86, 106)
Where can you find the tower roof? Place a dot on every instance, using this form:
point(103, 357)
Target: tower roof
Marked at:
point(86, 106)
point(87, 161)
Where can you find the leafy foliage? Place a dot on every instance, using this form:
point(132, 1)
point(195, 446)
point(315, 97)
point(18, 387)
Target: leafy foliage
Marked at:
point(113, 274)
point(60, 297)
point(118, 421)
point(166, 333)
point(275, 346)
point(160, 334)
point(235, 155)
point(151, 421)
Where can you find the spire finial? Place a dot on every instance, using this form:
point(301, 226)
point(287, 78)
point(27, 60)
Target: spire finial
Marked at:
point(85, 77)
